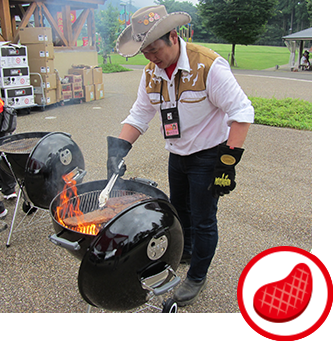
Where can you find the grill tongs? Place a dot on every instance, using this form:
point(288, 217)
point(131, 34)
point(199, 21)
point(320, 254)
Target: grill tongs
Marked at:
point(104, 195)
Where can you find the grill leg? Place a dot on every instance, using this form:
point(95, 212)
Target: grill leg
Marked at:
point(89, 308)
point(14, 216)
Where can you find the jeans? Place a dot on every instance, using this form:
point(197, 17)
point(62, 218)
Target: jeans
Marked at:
point(189, 179)
point(7, 182)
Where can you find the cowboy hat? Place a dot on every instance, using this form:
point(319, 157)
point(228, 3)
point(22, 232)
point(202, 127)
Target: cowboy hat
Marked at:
point(148, 24)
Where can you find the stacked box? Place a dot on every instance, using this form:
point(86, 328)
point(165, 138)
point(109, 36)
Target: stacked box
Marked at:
point(74, 85)
point(13, 55)
point(38, 41)
point(15, 76)
point(17, 98)
point(44, 88)
point(98, 82)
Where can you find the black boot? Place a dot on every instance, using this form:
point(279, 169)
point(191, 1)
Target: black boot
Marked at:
point(189, 291)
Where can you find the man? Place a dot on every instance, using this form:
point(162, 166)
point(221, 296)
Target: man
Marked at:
point(204, 116)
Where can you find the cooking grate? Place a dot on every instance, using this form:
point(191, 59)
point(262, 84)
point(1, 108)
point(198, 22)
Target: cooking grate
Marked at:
point(87, 204)
point(21, 146)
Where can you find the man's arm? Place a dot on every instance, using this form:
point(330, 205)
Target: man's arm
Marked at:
point(237, 134)
point(129, 133)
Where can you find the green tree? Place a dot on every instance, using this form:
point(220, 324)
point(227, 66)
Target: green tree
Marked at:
point(108, 28)
point(200, 32)
point(236, 21)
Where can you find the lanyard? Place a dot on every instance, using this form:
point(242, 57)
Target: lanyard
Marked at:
point(170, 117)
point(177, 91)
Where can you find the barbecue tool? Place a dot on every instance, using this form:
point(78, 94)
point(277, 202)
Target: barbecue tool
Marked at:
point(104, 196)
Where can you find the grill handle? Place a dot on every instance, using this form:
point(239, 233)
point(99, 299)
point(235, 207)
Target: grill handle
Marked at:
point(145, 181)
point(166, 287)
point(72, 246)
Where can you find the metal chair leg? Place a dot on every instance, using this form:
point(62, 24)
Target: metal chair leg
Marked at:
point(14, 216)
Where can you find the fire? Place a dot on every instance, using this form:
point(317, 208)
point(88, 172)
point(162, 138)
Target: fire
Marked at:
point(71, 208)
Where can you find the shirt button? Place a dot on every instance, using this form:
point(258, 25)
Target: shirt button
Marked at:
point(170, 144)
point(171, 85)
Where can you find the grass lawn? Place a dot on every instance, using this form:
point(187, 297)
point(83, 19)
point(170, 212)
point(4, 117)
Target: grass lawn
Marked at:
point(291, 113)
point(251, 57)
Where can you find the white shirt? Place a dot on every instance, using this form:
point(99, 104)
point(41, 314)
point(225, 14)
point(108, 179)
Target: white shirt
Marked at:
point(205, 116)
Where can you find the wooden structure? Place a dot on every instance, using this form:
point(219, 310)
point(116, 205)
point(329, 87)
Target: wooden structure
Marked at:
point(36, 13)
point(295, 40)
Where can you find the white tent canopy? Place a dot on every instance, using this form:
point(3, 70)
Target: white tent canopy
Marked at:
point(295, 40)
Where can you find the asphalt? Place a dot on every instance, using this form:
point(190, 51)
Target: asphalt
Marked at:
point(271, 205)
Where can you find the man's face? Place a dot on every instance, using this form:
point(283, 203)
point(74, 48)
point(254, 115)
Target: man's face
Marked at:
point(160, 53)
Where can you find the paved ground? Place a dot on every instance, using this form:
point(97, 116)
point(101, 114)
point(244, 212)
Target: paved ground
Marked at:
point(271, 205)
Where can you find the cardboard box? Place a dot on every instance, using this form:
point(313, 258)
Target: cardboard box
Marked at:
point(44, 51)
point(50, 97)
point(74, 78)
point(78, 94)
point(67, 95)
point(14, 76)
point(89, 93)
point(97, 75)
point(32, 35)
point(77, 86)
point(66, 87)
point(13, 55)
point(99, 91)
point(20, 97)
point(86, 73)
point(58, 89)
point(47, 82)
point(42, 66)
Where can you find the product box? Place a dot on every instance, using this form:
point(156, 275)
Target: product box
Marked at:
point(14, 76)
point(78, 94)
point(97, 75)
point(85, 72)
point(40, 50)
point(49, 97)
point(19, 97)
point(67, 95)
point(74, 78)
point(99, 91)
point(13, 55)
point(77, 86)
point(46, 81)
point(66, 87)
point(32, 35)
point(89, 93)
point(42, 66)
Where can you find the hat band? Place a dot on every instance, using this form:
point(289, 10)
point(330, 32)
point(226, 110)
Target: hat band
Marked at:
point(139, 37)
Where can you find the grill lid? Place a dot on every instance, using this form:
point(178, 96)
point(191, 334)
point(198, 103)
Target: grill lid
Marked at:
point(139, 243)
point(54, 156)
point(17, 148)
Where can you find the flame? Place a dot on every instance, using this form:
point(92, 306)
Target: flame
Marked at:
point(71, 208)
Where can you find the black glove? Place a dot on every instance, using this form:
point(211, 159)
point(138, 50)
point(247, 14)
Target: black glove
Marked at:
point(117, 150)
point(224, 172)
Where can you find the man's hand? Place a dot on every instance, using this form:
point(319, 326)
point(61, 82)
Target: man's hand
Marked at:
point(117, 150)
point(224, 173)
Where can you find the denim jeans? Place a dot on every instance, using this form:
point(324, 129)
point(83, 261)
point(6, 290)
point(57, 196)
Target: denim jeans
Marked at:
point(189, 179)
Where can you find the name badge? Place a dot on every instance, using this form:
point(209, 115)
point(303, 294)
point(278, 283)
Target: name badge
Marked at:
point(170, 122)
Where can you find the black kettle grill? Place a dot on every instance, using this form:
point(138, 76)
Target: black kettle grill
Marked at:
point(39, 161)
point(133, 256)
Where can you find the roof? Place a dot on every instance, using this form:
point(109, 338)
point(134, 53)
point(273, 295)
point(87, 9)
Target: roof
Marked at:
point(301, 35)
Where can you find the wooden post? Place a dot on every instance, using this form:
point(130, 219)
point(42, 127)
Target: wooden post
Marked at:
point(6, 20)
point(67, 25)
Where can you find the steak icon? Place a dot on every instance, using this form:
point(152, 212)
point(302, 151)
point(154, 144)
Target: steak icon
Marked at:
point(285, 300)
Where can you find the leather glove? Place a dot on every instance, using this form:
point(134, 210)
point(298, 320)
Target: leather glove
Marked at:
point(117, 150)
point(224, 172)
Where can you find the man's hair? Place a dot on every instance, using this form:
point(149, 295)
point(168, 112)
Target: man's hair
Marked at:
point(166, 38)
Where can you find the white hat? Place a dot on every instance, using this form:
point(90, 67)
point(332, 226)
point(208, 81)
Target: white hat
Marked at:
point(148, 24)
